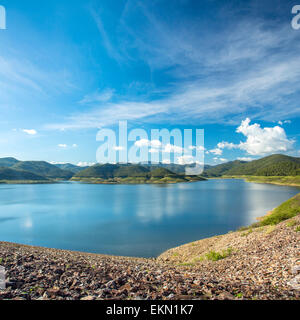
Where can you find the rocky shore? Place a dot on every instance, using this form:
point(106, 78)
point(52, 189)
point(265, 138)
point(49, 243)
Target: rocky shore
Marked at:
point(261, 264)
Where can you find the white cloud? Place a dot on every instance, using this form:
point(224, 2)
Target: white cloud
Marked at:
point(198, 148)
point(166, 161)
point(185, 160)
point(245, 159)
point(85, 164)
point(148, 143)
point(228, 145)
point(220, 159)
point(97, 96)
point(118, 148)
point(216, 151)
point(155, 144)
point(31, 132)
point(153, 150)
point(255, 70)
point(261, 141)
point(170, 148)
point(64, 146)
point(284, 122)
point(56, 162)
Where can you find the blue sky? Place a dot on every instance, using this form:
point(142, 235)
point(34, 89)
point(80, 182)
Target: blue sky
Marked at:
point(68, 68)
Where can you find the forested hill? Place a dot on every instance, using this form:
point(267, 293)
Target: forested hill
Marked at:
point(9, 174)
point(274, 165)
point(44, 169)
point(131, 173)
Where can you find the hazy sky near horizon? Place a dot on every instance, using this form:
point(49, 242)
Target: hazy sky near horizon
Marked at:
point(68, 68)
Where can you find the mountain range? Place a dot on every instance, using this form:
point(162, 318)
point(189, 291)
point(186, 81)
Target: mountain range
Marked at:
point(12, 169)
point(274, 165)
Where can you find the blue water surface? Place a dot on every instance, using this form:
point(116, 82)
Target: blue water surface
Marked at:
point(131, 220)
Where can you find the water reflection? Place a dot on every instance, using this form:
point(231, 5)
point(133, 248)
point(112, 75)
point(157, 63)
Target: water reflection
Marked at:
point(133, 220)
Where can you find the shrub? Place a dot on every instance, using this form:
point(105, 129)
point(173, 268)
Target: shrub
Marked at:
point(292, 223)
point(287, 210)
point(215, 256)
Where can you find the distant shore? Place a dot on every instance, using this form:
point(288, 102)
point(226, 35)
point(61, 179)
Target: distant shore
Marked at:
point(292, 181)
point(139, 180)
point(27, 181)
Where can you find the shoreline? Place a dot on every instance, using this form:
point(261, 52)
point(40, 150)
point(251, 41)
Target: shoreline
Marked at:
point(287, 181)
point(249, 272)
point(264, 180)
point(238, 265)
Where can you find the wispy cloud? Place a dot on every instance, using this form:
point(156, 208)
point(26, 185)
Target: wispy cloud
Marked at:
point(97, 96)
point(249, 73)
point(85, 164)
point(65, 146)
point(111, 50)
point(31, 132)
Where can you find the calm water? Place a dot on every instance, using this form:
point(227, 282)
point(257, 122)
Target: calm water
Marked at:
point(131, 220)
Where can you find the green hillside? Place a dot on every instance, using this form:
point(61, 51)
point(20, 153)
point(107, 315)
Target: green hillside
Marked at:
point(44, 169)
point(176, 168)
point(8, 162)
point(107, 171)
point(162, 172)
point(222, 169)
point(130, 173)
point(70, 167)
point(274, 165)
point(10, 174)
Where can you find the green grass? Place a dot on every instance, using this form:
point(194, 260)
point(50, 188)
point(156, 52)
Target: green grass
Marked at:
point(186, 264)
point(136, 180)
point(292, 223)
point(215, 256)
point(297, 229)
point(286, 210)
point(247, 232)
point(281, 180)
point(27, 181)
point(270, 229)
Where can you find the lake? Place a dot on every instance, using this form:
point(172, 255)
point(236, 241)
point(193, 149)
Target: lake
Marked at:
point(131, 220)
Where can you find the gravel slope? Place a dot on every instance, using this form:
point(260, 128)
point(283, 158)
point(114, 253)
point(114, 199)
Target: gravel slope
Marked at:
point(263, 264)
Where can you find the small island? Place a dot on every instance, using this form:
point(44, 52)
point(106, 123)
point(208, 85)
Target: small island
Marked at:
point(131, 174)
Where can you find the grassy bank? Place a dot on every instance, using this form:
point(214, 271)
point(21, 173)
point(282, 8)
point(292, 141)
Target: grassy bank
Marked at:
point(189, 255)
point(253, 263)
point(26, 181)
point(279, 180)
point(286, 210)
point(138, 180)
